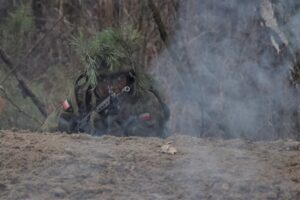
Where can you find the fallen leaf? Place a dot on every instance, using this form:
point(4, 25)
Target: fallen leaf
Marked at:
point(169, 149)
point(225, 186)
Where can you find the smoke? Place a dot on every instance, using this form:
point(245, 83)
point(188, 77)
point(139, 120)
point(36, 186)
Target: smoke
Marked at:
point(227, 72)
point(293, 26)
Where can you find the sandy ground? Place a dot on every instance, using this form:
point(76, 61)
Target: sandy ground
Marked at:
point(59, 166)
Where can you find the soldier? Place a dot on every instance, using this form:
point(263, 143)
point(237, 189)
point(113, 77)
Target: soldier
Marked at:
point(113, 96)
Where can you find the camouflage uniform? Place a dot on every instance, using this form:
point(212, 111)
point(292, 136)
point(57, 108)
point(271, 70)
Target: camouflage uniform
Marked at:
point(109, 58)
point(139, 113)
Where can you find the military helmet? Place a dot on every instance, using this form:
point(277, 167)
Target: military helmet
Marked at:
point(111, 51)
point(108, 52)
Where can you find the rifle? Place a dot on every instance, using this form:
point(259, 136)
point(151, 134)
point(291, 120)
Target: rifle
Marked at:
point(106, 107)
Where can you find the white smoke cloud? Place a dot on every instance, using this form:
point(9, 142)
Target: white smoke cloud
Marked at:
point(233, 76)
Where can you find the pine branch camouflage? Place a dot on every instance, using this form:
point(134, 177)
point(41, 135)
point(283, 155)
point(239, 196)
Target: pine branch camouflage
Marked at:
point(111, 51)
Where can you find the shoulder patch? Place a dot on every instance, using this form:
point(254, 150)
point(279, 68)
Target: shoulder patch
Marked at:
point(66, 105)
point(145, 117)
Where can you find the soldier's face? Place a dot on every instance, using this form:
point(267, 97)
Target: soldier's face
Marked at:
point(113, 84)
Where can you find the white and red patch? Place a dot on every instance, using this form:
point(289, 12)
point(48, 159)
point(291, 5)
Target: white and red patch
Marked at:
point(66, 105)
point(145, 117)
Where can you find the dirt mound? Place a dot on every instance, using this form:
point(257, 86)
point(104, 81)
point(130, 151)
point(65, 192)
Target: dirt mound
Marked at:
point(60, 166)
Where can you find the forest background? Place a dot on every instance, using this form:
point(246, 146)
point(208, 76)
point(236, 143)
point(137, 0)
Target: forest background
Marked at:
point(38, 65)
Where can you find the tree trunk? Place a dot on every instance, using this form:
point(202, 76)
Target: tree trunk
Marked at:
point(116, 11)
point(37, 9)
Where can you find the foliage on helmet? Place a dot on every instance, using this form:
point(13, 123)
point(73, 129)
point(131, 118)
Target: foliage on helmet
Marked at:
point(109, 51)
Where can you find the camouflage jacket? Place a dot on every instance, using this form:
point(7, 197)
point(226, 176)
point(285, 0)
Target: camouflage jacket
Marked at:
point(139, 114)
